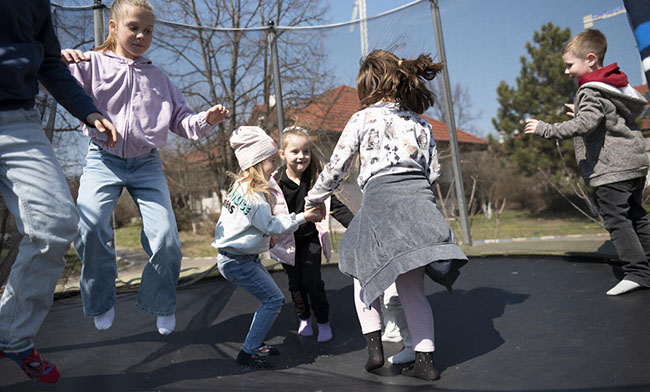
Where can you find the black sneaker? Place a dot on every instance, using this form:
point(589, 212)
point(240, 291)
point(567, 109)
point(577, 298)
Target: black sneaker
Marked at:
point(252, 361)
point(266, 350)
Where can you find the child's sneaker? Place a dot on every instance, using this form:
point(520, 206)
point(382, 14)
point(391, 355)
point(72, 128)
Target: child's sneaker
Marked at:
point(391, 332)
point(253, 361)
point(34, 366)
point(265, 350)
point(407, 355)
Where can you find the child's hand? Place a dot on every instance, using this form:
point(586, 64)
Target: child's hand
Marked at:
point(70, 56)
point(216, 114)
point(315, 214)
point(572, 111)
point(103, 125)
point(531, 124)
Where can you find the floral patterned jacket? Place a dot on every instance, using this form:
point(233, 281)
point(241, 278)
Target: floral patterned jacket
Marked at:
point(389, 139)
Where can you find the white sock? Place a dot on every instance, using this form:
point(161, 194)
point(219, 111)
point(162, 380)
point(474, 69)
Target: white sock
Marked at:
point(166, 324)
point(624, 286)
point(324, 332)
point(304, 328)
point(105, 320)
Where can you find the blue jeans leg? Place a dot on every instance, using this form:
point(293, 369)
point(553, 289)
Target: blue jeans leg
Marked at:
point(249, 273)
point(36, 193)
point(159, 236)
point(100, 187)
point(104, 177)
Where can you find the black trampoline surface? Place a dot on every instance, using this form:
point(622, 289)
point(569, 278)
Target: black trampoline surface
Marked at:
point(512, 324)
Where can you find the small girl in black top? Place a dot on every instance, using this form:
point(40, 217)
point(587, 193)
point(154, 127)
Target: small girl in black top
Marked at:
point(300, 252)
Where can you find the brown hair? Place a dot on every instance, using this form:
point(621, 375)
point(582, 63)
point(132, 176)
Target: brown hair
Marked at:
point(384, 76)
point(118, 10)
point(585, 42)
point(316, 162)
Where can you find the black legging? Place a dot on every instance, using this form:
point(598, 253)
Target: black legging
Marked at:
point(305, 282)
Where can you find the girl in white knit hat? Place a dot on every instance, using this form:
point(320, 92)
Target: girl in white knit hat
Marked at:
point(243, 232)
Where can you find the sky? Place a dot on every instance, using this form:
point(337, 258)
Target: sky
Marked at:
point(484, 40)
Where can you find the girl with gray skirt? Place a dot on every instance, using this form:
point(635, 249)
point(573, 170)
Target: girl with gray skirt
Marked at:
point(398, 235)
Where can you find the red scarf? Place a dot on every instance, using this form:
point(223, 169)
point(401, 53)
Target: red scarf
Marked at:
point(610, 74)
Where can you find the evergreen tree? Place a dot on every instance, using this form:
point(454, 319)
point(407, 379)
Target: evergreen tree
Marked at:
point(541, 91)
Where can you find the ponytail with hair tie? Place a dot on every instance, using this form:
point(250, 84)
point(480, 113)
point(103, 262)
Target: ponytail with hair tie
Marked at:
point(380, 79)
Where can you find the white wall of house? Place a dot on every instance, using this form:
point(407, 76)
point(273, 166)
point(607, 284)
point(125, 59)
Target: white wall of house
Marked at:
point(211, 205)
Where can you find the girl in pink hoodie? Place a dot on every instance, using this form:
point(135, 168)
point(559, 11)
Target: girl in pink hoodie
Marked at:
point(144, 105)
point(300, 252)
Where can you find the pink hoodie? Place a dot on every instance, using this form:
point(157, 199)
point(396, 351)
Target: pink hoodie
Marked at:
point(140, 100)
point(285, 246)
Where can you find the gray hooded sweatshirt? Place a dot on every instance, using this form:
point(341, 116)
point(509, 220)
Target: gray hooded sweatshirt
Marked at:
point(609, 146)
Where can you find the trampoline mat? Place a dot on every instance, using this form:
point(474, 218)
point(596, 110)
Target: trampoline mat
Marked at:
point(512, 324)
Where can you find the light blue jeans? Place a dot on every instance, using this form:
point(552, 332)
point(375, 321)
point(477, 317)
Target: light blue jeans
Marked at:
point(36, 193)
point(249, 273)
point(101, 184)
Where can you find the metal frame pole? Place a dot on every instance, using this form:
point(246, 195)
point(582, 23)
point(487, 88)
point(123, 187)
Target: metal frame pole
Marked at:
point(453, 139)
point(98, 16)
point(277, 85)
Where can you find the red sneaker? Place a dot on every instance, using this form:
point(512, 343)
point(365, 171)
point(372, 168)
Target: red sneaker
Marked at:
point(34, 366)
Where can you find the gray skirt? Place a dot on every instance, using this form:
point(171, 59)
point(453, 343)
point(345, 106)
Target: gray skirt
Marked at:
point(397, 229)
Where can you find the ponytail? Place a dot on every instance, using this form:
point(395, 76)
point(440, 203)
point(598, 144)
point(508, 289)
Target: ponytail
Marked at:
point(383, 76)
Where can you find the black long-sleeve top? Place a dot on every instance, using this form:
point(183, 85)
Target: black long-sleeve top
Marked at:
point(294, 194)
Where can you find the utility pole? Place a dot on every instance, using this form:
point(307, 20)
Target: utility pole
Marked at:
point(360, 9)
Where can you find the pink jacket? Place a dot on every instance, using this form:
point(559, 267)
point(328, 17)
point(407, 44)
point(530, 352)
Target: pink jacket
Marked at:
point(140, 100)
point(285, 246)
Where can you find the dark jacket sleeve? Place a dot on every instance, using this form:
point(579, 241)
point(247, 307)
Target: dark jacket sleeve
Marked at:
point(58, 80)
point(340, 212)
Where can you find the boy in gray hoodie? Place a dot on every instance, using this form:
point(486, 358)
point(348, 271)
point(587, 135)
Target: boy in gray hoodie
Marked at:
point(609, 149)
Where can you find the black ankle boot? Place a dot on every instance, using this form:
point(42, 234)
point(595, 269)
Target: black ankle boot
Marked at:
point(423, 367)
point(375, 350)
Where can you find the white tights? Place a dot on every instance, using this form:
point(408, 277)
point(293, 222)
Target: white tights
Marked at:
point(410, 288)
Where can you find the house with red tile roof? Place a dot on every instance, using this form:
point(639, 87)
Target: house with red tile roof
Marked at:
point(329, 112)
point(325, 117)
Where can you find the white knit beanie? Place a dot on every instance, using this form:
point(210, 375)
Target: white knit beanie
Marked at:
point(252, 145)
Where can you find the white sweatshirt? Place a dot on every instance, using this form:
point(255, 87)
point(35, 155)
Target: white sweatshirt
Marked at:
point(246, 223)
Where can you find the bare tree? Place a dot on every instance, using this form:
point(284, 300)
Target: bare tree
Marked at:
point(232, 67)
point(464, 111)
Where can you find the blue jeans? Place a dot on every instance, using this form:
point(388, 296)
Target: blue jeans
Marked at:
point(101, 184)
point(249, 273)
point(36, 193)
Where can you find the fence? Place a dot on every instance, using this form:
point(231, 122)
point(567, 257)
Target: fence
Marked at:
point(301, 70)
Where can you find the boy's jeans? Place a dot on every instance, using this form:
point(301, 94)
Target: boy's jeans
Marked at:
point(249, 273)
point(621, 206)
point(36, 193)
point(104, 176)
